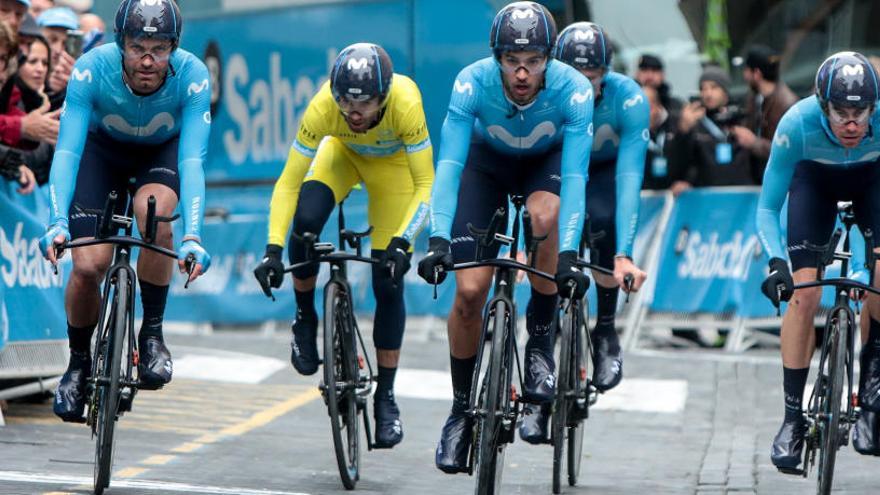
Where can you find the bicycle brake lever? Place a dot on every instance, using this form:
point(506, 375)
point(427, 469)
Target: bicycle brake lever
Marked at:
point(436, 274)
point(264, 284)
point(628, 281)
point(190, 264)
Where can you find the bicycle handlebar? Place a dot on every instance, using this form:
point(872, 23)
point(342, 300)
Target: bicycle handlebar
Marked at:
point(839, 283)
point(503, 263)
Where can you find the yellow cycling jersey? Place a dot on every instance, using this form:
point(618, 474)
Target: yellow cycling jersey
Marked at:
point(402, 131)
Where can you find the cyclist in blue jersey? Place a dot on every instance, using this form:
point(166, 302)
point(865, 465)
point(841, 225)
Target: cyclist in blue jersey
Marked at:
point(136, 120)
point(621, 134)
point(825, 150)
point(518, 123)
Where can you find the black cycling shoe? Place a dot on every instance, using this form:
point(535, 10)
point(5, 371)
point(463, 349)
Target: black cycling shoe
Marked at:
point(869, 380)
point(534, 424)
point(788, 446)
point(608, 358)
point(866, 437)
point(70, 396)
point(389, 430)
point(455, 444)
point(155, 367)
point(304, 345)
point(540, 381)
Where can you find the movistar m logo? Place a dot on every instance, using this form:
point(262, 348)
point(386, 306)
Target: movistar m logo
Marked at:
point(197, 88)
point(853, 74)
point(81, 75)
point(587, 36)
point(522, 14)
point(357, 63)
point(581, 97)
point(782, 140)
point(635, 100)
point(464, 88)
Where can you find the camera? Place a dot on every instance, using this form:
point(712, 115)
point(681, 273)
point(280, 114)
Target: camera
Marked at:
point(73, 45)
point(731, 115)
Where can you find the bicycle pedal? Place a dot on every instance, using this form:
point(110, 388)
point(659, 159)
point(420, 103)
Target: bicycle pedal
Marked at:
point(126, 398)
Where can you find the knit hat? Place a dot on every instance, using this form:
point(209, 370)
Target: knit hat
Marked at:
point(718, 76)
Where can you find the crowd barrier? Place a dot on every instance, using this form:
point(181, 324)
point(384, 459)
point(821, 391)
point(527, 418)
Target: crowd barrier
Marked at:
point(701, 251)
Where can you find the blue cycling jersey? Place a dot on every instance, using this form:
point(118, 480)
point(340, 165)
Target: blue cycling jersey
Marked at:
point(803, 138)
point(562, 112)
point(98, 99)
point(621, 120)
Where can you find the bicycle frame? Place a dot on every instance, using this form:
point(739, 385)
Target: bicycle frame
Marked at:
point(842, 309)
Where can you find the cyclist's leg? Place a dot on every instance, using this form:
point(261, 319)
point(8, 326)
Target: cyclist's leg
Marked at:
point(329, 180)
point(95, 179)
point(390, 189)
point(601, 207)
point(479, 196)
point(539, 182)
point(811, 215)
point(867, 210)
point(541, 187)
point(157, 176)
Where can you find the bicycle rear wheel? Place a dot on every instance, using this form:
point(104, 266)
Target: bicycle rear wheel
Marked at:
point(580, 402)
point(107, 387)
point(340, 380)
point(494, 397)
point(829, 427)
point(559, 419)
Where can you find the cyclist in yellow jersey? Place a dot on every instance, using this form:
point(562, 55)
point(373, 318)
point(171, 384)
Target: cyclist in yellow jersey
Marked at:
point(365, 125)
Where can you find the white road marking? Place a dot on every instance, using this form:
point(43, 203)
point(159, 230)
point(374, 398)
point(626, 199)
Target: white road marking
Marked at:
point(252, 369)
point(199, 363)
point(645, 395)
point(633, 394)
point(159, 486)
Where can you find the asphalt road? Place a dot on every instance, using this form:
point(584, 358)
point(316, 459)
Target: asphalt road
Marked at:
point(238, 420)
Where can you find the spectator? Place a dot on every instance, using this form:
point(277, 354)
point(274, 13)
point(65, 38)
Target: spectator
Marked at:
point(39, 125)
point(769, 98)
point(706, 154)
point(56, 23)
point(663, 132)
point(93, 29)
point(650, 73)
point(40, 6)
point(12, 12)
point(27, 92)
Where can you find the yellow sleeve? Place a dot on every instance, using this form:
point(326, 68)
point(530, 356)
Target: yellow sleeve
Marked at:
point(420, 155)
point(286, 192)
point(285, 196)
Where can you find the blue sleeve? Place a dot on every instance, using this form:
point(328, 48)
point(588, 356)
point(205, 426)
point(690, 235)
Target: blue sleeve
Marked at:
point(785, 152)
point(194, 132)
point(634, 135)
point(455, 138)
point(576, 145)
point(76, 113)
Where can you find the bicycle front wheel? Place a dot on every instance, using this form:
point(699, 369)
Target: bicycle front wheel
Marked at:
point(107, 387)
point(489, 453)
point(340, 380)
point(829, 426)
point(559, 420)
point(580, 373)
